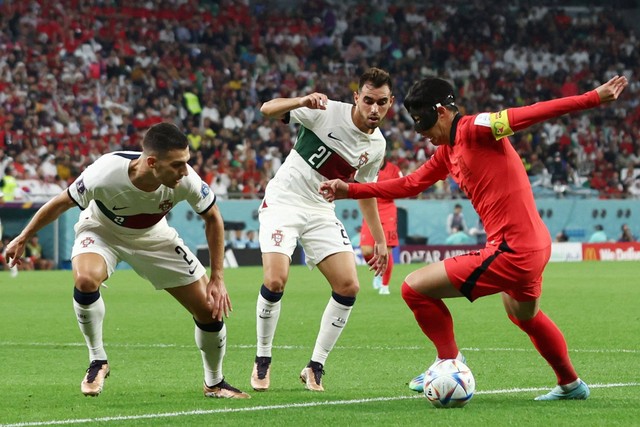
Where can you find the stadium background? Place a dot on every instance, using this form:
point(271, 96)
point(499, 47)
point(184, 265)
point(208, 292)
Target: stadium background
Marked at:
point(80, 78)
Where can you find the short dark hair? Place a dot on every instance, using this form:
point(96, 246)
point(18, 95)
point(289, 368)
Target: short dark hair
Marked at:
point(376, 77)
point(163, 137)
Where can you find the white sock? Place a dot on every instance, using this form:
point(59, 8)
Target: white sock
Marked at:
point(90, 319)
point(571, 385)
point(333, 322)
point(213, 346)
point(267, 315)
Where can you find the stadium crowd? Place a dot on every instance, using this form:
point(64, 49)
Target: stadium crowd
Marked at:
point(82, 77)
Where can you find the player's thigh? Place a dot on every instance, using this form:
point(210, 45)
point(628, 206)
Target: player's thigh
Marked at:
point(366, 238)
point(193, 297)
point(280, 228)
point(340, 271)
point(166, 263)
point(492, 270)
point(432, 280)
point(324, 235)
point(93, 259)
point(89, 271)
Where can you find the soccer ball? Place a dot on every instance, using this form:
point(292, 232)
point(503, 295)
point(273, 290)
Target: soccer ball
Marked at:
point(449, 383)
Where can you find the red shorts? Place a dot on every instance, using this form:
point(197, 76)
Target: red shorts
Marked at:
point(389, 226)
point(496, 269)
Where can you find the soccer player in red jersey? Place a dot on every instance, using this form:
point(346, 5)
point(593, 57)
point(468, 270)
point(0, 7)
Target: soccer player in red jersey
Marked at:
point(388, 213)
point(475, 150)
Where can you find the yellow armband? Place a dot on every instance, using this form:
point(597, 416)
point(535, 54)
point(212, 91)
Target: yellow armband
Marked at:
point(500, 126)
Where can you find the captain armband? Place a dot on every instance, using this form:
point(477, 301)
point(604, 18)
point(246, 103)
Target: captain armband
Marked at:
point(500, 126)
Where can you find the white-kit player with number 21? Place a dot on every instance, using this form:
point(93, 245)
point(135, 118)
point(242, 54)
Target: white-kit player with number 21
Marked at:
point(125, 197)
point(334, 139)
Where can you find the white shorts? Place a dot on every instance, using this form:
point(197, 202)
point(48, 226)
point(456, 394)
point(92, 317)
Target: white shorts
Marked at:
point(161, 258)
point(320, 232)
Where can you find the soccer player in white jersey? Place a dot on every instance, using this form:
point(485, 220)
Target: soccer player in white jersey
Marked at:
point(124, 197)
point(335, 139)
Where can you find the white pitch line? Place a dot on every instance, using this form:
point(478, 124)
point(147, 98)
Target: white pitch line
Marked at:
point(300, 347)
point(272, 407)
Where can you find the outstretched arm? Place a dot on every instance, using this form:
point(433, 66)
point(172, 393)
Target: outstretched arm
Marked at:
point(422, 178)
point(523, 117)
point(45, 215)
point(278, 107)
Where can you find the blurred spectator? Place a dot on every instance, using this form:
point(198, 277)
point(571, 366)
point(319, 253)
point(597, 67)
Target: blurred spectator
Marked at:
point(252, 240)
point(598, 236)
point(455, 220)
point(93, 79)
point(33, 253)
point(238, 241)
point(9, 185)
point(625, 234)
point(562, 237)
point(479, 233)
point(634, 189)
point(458, 237)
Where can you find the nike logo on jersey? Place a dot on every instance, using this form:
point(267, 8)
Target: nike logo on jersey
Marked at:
point(333, 137)
point(192, 270)
point(119, 209)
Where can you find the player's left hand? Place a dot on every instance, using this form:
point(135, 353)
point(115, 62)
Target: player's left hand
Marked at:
point(378, 263)
point(611, 90)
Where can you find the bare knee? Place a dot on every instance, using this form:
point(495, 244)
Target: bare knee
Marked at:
point(348, 288)
point(275, 283)
point(86, 283)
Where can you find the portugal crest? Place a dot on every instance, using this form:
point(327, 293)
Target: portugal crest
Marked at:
point(166, 205)
point(277, 237)
point(363, 159)
point(87, 241)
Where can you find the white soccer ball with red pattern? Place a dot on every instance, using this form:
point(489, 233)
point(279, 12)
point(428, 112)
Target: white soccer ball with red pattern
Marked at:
point(449, 383)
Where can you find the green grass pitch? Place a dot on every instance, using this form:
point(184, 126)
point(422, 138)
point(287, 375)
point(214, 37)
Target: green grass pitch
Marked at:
point(156, 369)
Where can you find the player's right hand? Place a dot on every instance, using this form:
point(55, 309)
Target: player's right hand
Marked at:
point(14, 252)
point(315, 101)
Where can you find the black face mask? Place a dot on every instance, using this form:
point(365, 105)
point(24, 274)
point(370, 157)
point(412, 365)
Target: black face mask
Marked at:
point(424, 119)
point(428, 116)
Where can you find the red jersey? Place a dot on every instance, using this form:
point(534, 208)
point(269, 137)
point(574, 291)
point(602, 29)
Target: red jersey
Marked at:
point(387, 172)
point(487, 168)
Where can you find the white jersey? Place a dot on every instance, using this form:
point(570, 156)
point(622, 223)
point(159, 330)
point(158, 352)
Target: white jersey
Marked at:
point(106, 190)
point(329, 146)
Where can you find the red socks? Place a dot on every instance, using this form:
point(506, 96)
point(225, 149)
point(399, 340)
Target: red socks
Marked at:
point(550, 343)
point(386, 277)
point(434, 319)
